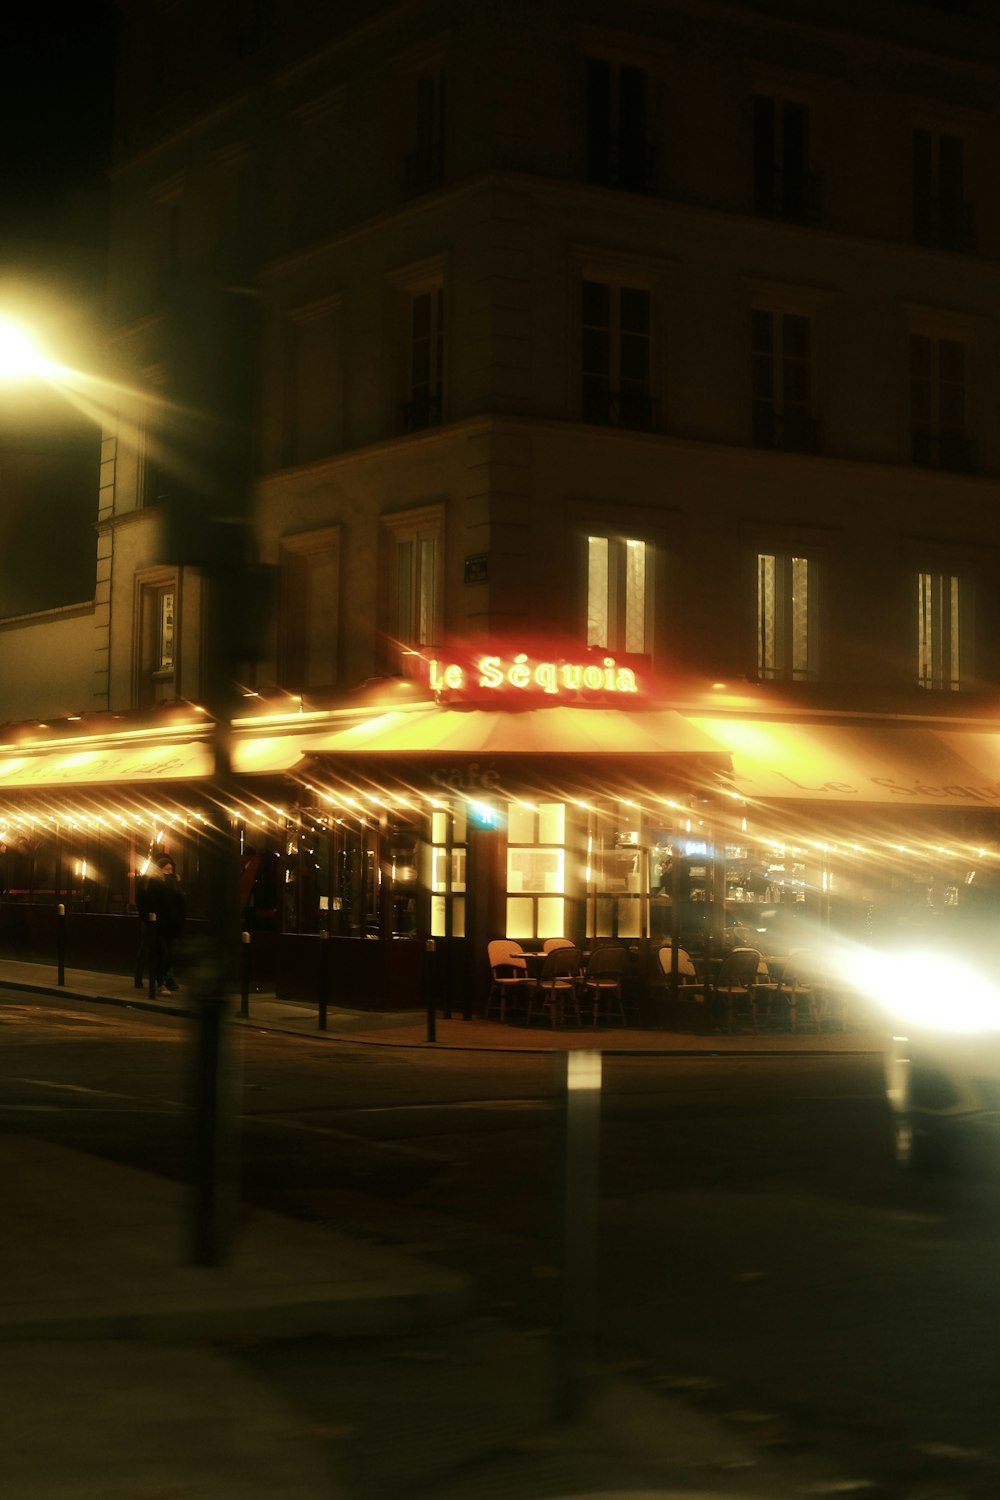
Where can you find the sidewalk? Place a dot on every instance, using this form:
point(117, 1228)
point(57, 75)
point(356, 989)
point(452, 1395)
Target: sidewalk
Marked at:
point(409, 1028)
point(309, 1365)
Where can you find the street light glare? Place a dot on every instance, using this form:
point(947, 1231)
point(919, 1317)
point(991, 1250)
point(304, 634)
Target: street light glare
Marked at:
point(20, 354)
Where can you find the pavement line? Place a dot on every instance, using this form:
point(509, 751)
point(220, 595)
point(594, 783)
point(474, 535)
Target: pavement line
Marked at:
point(79, 1088)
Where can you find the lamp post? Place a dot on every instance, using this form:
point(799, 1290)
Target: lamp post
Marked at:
point(210, 357)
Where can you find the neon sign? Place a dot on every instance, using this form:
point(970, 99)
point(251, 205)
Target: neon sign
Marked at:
point(526, 674)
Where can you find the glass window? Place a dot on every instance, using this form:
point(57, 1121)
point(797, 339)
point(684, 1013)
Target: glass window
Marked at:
point(615, 355)
point(414, 543)
point(786, 609)
point(939, 631)
point(618, 593)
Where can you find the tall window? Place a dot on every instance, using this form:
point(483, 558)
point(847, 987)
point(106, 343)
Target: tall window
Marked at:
point(782, 382)
point(937, 404)
point(309, 609)
point(619, 594)
point(615, 355)
point(157, 638)
point(786, 610)
point(783, 186)
point(942, 216)
point(618, 150)
point(425, 359)
point(424, 162)
point(414, 583)
point(939, 634)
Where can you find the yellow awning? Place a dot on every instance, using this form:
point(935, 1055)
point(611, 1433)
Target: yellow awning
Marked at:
point(90, 766)
point(902, 764)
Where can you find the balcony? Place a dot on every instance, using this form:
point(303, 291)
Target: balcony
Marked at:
point(789, 431)
point(951, 451)
point(944, 223)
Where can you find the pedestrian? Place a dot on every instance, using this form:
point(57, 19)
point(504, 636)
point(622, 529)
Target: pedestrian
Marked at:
point(166, 903)
point(144, 958)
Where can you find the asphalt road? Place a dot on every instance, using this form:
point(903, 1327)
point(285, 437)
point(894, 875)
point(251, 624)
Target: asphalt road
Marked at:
point(758, 1253)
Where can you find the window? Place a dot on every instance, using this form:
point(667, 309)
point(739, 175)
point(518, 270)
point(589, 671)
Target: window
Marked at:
point(309, 608)
point(536, 870)
point(618, 149)
point(941, 214)
point(424, 162)
point(783, 186)
point(424, 380)
point(157, 638)
point(312, 413)
point(619, 594)
point(615, 355)
point(782, 382)
point(939, 631)
point(786, 611)
point(414, 542)
point(937, 404)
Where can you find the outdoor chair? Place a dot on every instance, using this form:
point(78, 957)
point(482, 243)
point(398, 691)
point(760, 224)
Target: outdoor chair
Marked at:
point(732, 992)
point(511, 983)
point(555, 989)
point(604, 983)
point(559, 942)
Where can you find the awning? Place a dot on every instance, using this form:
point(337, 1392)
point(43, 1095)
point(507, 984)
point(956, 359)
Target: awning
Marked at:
point(91, 766)
point(903, 764)
point(563, 731)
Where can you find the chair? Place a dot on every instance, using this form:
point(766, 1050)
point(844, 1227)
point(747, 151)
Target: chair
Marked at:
point(734, 988)
point(797, 987)
point(509, 975)
point(603, 983)
point(687, 974)
point(551, 943)
point(556, 985)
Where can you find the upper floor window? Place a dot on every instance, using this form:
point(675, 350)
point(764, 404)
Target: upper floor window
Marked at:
point(942, 215)
point(619, 593)
point(615, 355)
point(783, 185)
point(937, 404)
point(786, 613)
point(414, 545)
point(155, 660)
point(423, 164)
point(782, 382)
point(424, 359)
point(940, 609)
point(309, 610)
point(618, 150)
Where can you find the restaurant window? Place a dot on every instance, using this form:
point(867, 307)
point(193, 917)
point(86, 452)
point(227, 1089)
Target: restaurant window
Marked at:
point(942, 215)
point(619, 153)
point(536, 870)
point(423, 163)
point(424, 359)
point(619, 593)
point(309, 609)
point(449, 861)
point(414, 587)
point(615, 355)
point(781, 352)
point(786, 610)
point(784, 187)
point(937, 404)
point(157, 638)
point(940, 603)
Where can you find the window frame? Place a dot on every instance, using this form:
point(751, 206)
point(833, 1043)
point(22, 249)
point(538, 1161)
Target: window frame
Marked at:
point(296, 652)
point(404, 642)
point(617, 604)
point(781, 629)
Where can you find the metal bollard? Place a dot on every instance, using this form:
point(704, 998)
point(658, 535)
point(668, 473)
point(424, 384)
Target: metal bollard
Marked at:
point(324, 975)
point(430, 949)
point(153, 954)
point(574, 1348)
point(61, 943)
point(244, 974)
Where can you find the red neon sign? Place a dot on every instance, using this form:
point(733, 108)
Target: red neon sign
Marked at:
point(521, 675)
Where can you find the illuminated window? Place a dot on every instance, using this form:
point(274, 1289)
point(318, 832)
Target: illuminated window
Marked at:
point(937, 404)
point(782, 382)
point(615, 361)
point(536, 870)
point(449, 852)
point(414, 547)
point(939, 631)
point(157, 640)
point(309, 609)
point(786, 608)
point(618, 593)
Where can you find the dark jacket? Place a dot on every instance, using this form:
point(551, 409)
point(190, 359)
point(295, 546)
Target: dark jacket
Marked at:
point(165, 898)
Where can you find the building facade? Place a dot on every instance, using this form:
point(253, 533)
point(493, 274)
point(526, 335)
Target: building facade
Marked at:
point(667, 347)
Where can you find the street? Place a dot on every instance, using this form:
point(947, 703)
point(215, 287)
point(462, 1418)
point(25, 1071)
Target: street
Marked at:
point(760, 1255)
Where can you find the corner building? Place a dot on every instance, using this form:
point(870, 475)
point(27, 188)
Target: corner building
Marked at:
point(668, 347)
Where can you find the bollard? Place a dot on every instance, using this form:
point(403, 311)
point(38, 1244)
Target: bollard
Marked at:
point(153, 954)
point(580, 1072)
point(430, 948)
point(324, 975)
point(245, 974)
point(61, 943)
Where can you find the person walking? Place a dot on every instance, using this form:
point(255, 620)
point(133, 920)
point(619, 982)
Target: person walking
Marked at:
point(165, 901)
